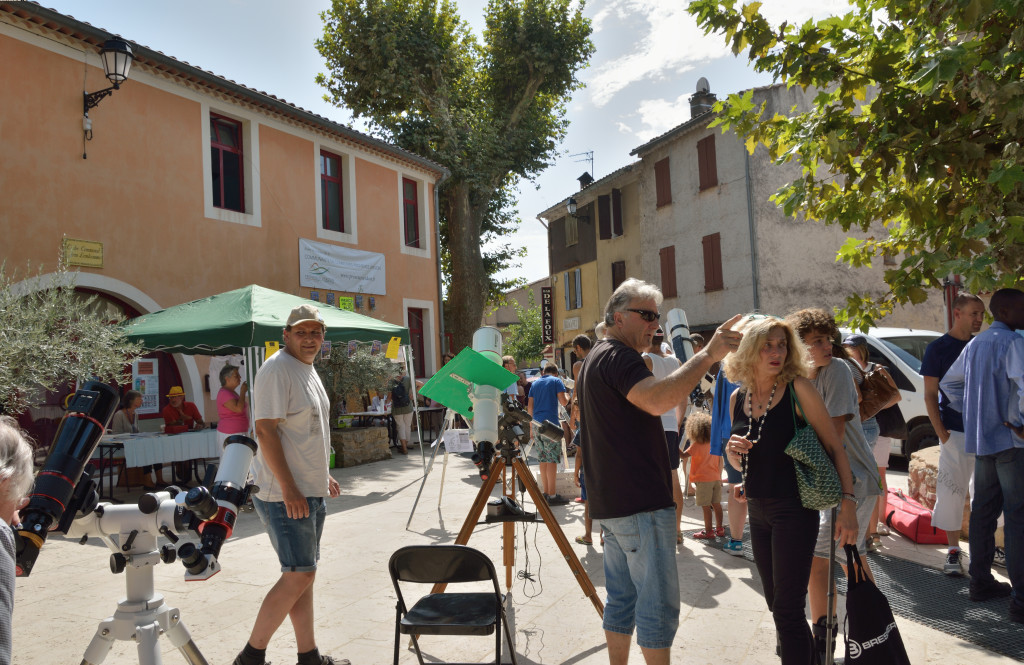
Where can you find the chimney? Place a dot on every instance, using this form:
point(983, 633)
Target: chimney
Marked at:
point(702, 100)
point(585, 179)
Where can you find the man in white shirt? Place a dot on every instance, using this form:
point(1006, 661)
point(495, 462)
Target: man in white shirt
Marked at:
point(291, 469)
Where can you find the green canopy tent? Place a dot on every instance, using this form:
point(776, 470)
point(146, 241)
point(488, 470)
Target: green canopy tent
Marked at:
point(244, 320)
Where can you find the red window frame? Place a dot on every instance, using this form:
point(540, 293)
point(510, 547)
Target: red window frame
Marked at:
point(218, 151)
point(326, 204)
point(411, 213)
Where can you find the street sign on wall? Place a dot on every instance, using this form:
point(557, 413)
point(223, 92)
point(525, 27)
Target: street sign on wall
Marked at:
point(547, 316)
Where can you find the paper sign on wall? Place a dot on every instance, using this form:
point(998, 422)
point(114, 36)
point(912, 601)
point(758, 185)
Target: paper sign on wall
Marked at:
point(393, 345)
point(146, 380)
point(346, 303)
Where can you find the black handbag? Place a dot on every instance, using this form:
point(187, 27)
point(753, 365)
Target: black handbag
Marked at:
point(872, 637)
point(891, 423)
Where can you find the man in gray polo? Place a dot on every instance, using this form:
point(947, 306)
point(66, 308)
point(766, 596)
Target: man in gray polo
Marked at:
point(291, 470)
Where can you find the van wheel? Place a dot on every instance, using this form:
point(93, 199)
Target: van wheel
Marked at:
point(922, 436)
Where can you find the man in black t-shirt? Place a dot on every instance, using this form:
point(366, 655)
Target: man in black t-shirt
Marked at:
point(627, 468)
point(956, 465)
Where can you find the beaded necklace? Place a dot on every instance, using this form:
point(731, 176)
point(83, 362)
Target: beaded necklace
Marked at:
point(760, 425)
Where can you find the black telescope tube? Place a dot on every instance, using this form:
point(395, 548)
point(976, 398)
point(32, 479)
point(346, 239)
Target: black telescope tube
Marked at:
point(83, 425)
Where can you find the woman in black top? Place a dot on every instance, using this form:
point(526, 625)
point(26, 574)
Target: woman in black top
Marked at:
point(771, 366)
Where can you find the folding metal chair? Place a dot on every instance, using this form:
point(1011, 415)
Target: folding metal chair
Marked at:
point(472, 613)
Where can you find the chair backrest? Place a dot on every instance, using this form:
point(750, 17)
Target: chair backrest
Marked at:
point(441, 563)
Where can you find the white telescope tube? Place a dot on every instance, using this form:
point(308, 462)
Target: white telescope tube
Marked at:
point(678, 330)
point(486, 399)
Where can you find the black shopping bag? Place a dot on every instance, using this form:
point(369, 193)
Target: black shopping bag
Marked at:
point(872, 637)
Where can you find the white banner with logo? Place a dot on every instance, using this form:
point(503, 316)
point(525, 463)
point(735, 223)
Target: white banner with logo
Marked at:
point(335, 268)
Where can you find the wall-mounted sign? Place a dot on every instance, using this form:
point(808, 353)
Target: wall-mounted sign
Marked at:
point(572, 323)
point(87, 253)
point(330, 298)
point(146, 379)
point(346, 303)
point(547, 318)
point(334, 268)
point(314, 295)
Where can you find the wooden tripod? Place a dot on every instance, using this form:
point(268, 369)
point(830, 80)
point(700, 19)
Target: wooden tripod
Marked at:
point(508, 474)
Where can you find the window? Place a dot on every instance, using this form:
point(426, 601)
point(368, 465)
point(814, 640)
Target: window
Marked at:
point(713, 262)
point(332, 215)
point(572, 230)
point(668, 272)
point(707, 167)
point(416, 340)
point(226, 163)
point(616, 213)
point(662, 183)
point(888, 258)
point(573, 289)
point(618, 274)
point(411, 210)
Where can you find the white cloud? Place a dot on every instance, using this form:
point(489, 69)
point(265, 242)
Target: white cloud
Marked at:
point(660, 115)
point(671, 42)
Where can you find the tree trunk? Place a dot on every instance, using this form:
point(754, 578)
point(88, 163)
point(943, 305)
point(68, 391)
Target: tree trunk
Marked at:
point(468, 293)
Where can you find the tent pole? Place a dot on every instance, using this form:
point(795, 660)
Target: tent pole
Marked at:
point(411, 370)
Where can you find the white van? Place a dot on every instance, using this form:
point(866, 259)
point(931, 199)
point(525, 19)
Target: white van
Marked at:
point(901, 351)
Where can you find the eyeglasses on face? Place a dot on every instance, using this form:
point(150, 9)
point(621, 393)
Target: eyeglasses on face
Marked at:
point(645, 314)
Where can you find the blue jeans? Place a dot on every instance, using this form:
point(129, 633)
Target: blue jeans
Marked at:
point(641, 577)
point(296, 541)
point(998, 488)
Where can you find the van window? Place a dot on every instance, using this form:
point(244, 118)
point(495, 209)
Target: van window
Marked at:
point(914, 346)
point(913, 361)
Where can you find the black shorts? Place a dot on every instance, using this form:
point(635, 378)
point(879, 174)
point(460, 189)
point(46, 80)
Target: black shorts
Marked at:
point(673, 449)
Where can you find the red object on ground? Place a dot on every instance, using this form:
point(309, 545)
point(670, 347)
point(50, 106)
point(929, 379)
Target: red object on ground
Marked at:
point(910, 518)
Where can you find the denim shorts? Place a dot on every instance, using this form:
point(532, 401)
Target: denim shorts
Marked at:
point(641, 577)
point(297, 542)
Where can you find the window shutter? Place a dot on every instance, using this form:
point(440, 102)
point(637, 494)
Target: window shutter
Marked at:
point(713, 262)
point(616, 213)
point(604, 217)
point(707, 166)
point(662, 183)
point(579, 289)
point(566, 289)
point(668, 272)
point(618, 274)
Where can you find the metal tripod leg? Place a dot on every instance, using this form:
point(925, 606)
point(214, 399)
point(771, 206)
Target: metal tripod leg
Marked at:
point(448, 419)
point(143, 625)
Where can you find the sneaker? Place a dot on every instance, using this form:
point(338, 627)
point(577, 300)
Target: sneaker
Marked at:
point(1000, 558)
point(733, 547)
point(556, 500)
point(989, 590)
point(953, 567)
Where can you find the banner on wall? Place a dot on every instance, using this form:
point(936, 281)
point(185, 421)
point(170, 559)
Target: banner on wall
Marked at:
point(547, 321)
point(146, 380)
point(335, 268)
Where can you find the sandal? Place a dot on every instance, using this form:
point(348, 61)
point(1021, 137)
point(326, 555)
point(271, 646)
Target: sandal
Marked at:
point(882, 530)
point(720, 532)
point(704, 535)
point(583, 541)
point(679, 537)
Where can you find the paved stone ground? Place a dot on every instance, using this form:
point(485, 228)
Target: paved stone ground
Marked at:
point(724, 619)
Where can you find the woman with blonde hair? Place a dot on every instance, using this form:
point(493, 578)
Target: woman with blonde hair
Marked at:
point(15, 483)
point(773, 398)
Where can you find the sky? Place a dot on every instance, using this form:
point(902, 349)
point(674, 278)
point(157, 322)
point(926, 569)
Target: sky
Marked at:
point(648, 57)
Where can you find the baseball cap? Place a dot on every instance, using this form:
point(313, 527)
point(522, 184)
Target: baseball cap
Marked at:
point(855, 340)
point(304, 313)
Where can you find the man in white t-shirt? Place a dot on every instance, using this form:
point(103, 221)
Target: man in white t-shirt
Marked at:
point(291, 470)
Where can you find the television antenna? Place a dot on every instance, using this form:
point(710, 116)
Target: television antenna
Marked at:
point(587, 156)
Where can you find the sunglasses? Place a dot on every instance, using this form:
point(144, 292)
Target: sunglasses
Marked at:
point(645, 314)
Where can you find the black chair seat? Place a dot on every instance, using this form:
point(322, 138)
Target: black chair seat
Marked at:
point(452, 614)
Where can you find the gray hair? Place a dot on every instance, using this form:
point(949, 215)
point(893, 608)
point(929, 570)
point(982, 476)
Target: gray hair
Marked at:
point(225, 372)
point(630, 290)
point(600, 330)
point(15, 460)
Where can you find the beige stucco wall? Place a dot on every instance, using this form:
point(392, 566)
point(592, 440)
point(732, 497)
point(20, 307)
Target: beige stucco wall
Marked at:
point(626, 247)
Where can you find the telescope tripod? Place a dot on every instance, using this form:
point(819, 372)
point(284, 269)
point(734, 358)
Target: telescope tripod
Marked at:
point(508, 465)
point(142, 616)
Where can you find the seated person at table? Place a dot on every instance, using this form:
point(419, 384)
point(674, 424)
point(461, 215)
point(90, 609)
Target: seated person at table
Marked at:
point(179, 415)
point(126, 420)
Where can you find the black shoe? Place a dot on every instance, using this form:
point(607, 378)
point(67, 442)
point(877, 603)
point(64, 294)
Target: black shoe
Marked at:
point(989, 590)
point(328, 660)
point(556, 500)
point(238, 661)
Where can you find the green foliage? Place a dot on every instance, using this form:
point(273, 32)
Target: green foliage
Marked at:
point(525, 338)
point(346, 376)
point(916, 123)
point(52, 336)
point(492, 111)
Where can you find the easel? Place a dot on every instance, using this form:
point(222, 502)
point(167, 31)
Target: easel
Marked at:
point(449, 420)
point(507, 463)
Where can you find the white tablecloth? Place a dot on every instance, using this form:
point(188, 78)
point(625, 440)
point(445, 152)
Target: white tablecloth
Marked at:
point(147, 449)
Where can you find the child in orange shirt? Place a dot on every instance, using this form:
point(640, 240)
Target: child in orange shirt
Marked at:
point(705, 473)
